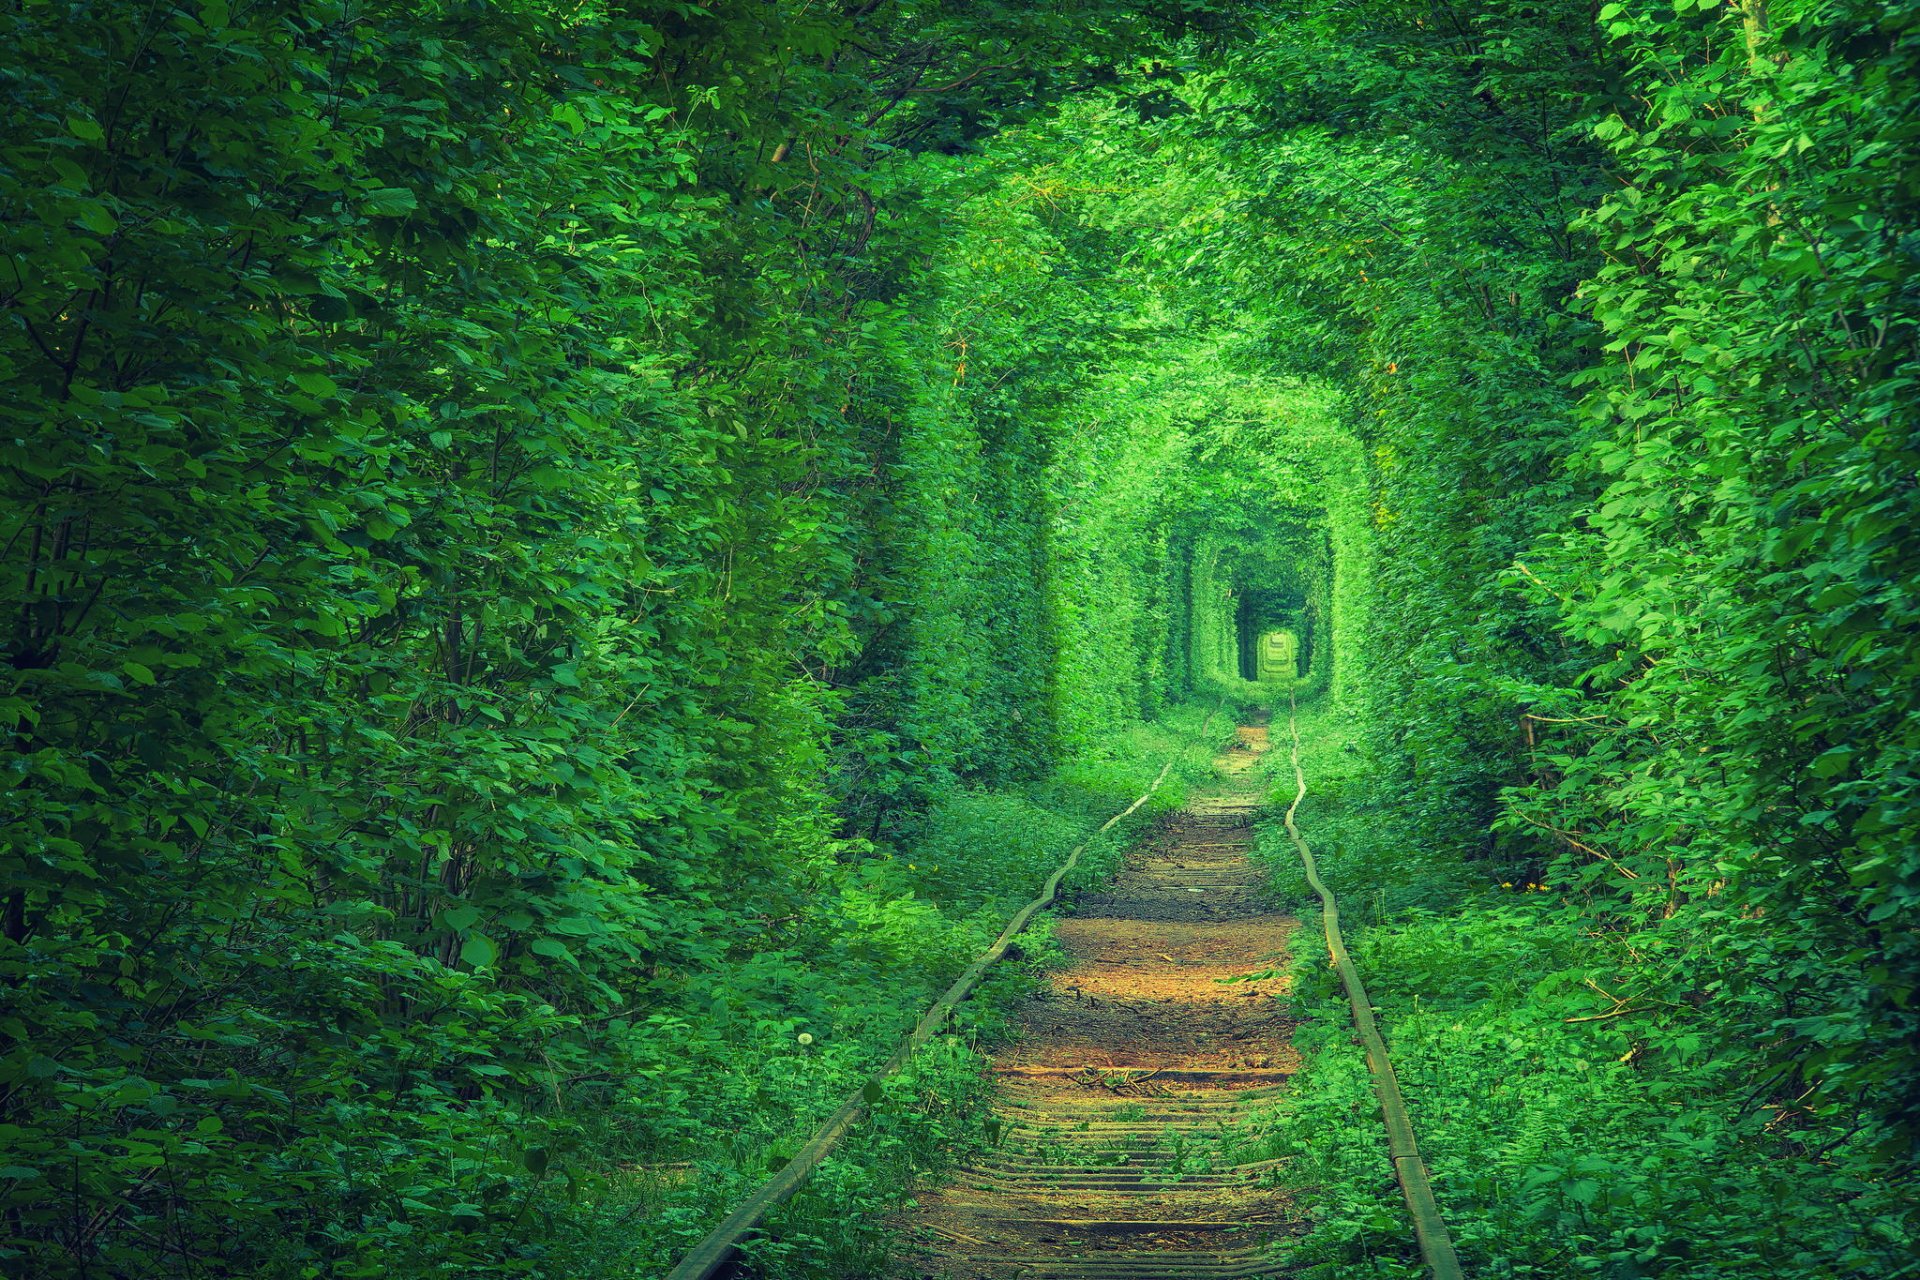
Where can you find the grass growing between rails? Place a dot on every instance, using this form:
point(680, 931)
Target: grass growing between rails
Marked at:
point(793, 1030)
point(1573, 1128)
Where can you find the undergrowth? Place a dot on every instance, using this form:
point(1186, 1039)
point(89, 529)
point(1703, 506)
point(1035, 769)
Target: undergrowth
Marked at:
point(1569, 1131)
point(796, 1029)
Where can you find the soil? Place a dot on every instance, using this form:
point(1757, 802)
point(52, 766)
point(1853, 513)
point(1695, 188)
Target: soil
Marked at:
point(1135, 1067)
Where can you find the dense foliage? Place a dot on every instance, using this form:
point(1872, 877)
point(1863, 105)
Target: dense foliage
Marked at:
point(565, 564)
point(1625, 317)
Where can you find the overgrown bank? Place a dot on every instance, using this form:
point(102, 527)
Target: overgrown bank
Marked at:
point(1562, 1141)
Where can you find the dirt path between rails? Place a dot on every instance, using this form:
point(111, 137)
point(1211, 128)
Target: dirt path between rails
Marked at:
point(1120, 1102)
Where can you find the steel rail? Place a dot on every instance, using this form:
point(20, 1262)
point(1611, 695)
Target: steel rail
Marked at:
point(706, 1259)
point(1429, 1228)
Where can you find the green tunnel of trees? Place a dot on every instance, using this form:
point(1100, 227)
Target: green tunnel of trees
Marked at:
point(566, 565)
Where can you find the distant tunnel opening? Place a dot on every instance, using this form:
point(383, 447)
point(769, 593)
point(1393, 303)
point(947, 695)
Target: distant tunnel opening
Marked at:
point(1275, 628)
point(1261, 606)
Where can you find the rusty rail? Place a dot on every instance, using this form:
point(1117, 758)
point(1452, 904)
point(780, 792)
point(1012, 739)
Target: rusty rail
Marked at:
point(1429, 1228)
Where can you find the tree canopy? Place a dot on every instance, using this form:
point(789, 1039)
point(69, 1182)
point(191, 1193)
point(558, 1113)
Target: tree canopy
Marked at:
point(565, 564)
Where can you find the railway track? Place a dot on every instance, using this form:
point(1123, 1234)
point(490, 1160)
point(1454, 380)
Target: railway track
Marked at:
point(1124, 1105)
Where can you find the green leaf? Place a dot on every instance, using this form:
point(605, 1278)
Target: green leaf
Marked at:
point(315, 384)
point(94, 217)
point(1832, 763)
point(461, 917)
point(389, 202)
point(552, 949)
point(327, 309)
point(479, 951)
